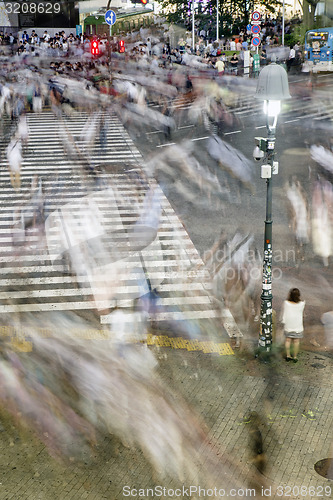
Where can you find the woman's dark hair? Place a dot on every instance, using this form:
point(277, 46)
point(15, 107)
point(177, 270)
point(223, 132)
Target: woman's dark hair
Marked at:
point(294, 295)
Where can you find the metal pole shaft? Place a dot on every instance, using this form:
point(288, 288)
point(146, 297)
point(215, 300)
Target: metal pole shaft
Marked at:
point(110, 52)
point(283, 24)
point(266, 294)
point(217, 19)
point(193, 25)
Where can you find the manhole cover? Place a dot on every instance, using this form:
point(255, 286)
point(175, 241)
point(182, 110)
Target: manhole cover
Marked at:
point(318, 365)
point(325, 468)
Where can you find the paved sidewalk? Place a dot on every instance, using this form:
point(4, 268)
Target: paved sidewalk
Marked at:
point(291, 407)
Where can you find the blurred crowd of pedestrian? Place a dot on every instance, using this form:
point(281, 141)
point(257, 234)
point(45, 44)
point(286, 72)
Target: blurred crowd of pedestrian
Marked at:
point(44, 43)
point(162, 49)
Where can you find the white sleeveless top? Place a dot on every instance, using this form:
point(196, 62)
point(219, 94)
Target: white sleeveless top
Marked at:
point(292, 316)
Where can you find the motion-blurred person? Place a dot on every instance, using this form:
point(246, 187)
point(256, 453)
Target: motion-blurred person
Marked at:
point(103, 130)
point(327, 321)
point(292, 318)
point(234, 163)
point(300, 215)
point(291, 58)
point(28, 220)
point(321, 225)
point(14, 158)
point(56, 100)
point(89, 132)
point(18, 106)
point(37, 101)
point(5, 100)
point(219, 65)
point(22, 132)
point(256, 446)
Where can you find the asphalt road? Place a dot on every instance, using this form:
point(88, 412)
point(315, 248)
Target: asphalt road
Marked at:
point(304, 120)
point(297, 129)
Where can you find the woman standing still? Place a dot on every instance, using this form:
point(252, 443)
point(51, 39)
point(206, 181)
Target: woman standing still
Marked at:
point(292, 318)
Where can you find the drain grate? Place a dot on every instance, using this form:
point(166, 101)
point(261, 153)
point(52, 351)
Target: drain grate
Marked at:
point(325, 468)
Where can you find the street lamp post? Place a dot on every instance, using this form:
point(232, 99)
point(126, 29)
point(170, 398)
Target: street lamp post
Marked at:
point(272, 87)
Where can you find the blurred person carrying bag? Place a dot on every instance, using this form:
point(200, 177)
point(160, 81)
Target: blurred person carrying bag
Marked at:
point(37, 102)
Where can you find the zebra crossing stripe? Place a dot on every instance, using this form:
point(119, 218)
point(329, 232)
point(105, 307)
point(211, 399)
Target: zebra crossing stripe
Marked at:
point(53, 306)
point(90, 305)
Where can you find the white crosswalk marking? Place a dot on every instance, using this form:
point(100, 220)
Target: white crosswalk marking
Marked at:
point(35, 276)
point(316, 107)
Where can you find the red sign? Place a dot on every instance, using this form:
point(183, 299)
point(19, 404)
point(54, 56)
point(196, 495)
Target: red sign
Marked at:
point(255, 41)
point(94, 49)
point(121, 46)
point(255, 29)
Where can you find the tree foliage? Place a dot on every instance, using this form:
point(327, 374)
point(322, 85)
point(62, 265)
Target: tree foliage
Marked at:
point(309, 7)
point(233, 14)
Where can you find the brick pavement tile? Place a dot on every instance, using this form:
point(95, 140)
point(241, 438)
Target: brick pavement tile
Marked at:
point(35, 494)
point(223, 422)
point(9, 496)
point(24, 484)
point(72, 495)
point(31, 487)
point(81, 491)
point(92, 496)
